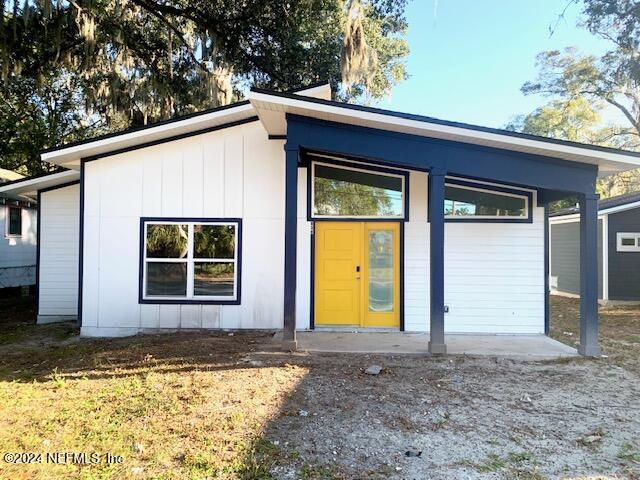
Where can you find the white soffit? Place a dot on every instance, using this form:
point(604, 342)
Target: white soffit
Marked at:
point(32, 185)
point(271, 110)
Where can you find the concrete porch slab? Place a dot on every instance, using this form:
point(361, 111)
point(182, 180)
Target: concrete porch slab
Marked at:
point(534, 347)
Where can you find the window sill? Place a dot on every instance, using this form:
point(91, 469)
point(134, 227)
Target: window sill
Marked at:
point(178, 301)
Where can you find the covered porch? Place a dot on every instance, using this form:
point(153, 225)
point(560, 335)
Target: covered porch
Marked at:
point(554, 170)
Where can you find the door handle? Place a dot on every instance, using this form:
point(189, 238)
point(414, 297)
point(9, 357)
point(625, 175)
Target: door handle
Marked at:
point(357, 272)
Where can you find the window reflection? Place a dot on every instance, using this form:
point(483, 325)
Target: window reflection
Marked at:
point(346, 192)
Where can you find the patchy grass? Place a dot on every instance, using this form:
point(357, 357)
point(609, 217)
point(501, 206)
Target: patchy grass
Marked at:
point(619, 330)
point(173, 406)
point(214, 406)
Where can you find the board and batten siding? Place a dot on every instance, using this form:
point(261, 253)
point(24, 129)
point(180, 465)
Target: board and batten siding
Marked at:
point(58, 276)
point(624, 267)
point(234, 172)
point(564, 253)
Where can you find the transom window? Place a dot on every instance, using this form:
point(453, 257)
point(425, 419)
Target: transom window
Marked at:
point(478, 201)
point(352, 192)
point(628, 242)
point(191, 261)
point(14, 221)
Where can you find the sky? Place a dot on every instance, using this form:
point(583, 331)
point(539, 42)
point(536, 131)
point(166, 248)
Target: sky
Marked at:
point(469, 58)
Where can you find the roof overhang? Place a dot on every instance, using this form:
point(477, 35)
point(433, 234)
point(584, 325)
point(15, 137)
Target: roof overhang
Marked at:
point(30, 186)
point(272, 109)
point(69, 157)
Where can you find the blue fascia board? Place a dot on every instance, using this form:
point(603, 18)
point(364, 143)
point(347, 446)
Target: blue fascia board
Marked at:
point(456, 158)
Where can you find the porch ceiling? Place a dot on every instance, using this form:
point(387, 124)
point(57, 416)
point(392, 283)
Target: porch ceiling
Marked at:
point(272, 109)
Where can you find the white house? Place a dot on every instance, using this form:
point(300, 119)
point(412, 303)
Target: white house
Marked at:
point(18, 242)
point(291, 211)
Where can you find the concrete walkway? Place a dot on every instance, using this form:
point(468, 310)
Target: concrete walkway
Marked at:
point(534, 347)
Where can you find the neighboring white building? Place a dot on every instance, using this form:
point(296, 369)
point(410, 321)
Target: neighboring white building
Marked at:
point(291, 211)
point(18, 228)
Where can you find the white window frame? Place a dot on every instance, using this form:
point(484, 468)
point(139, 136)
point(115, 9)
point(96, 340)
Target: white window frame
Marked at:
point(493, 192)
point(7, 232)
point(190, 261)
point(356, 169)
point(628, 248)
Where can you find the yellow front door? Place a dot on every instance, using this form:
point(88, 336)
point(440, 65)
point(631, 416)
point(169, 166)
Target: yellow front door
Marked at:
point(357, 280)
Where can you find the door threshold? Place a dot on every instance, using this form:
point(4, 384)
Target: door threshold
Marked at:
point(355, 329)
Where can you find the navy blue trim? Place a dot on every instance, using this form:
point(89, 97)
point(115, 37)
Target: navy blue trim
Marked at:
point(491, 188)
point(404, 173)
point(436, 188)
point(56, 187)
point(290, 244)
point(38, 220)
point(457, 159)
point(546, 271)
point(81, 243)
point(312, 296)
point(401, 300)
point(277, 137)
point(179, 301)
point(448, 123)
point(307, 155)
point(589, 345)
point(173, 138)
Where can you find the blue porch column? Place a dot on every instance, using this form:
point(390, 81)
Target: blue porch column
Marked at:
point(589, 276)
point(290, 246)
point(436, 228)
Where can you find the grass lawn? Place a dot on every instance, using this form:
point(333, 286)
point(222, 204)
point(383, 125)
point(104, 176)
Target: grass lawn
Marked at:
point(211, 405)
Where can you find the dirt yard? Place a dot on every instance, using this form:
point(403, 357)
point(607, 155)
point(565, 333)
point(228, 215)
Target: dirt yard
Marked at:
point(200, 405)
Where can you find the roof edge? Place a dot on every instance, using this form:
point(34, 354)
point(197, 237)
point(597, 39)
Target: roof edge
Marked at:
point(447, 123)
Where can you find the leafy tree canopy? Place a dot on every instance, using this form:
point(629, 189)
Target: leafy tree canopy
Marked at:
point(580, 87)
point(70, 69)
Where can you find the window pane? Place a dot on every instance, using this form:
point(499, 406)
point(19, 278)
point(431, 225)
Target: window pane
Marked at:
point(464, 202)
point(348, 192)
point(166, 279)
point(629, 242)
point(15, 221)
point(167, 241)
point(213, 279)
point(381, 271)
point(214, 241)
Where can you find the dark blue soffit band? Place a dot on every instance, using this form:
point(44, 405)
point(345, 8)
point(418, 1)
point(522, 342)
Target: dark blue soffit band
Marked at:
point(423, 153)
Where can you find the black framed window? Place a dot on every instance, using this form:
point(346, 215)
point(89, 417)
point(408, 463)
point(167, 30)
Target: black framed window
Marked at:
point(476, 202)
point(354, 191)
point(14, 221)
point(190, 260)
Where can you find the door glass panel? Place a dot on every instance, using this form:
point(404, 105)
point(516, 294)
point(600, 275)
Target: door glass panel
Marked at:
point(380, 271)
